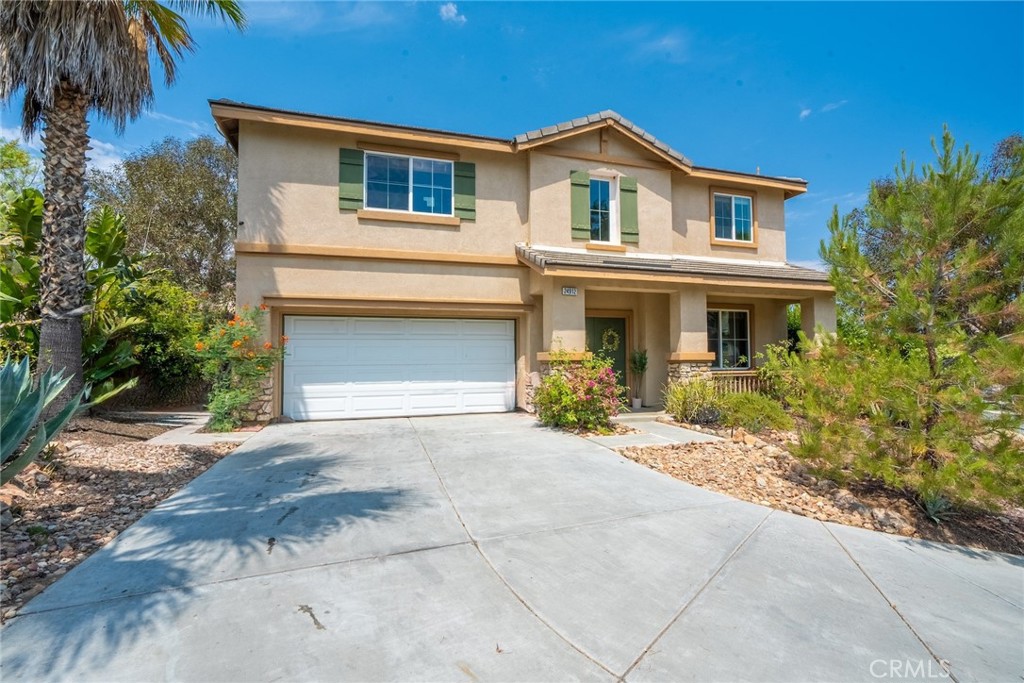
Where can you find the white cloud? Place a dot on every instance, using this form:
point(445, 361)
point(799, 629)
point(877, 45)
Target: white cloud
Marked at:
point(672, 46)
point(102, 156)
point(832, 106)
point(804, 113)
point(450, 13)
point(813, 264)
point(319, 17)
point(34, 143)
point(195, 126)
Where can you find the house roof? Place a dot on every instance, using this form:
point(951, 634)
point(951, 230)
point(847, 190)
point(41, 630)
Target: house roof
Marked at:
point(759, 271)
point(533, 137)
point(227, 114)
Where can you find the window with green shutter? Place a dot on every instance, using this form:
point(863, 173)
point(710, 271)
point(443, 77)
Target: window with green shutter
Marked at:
point(393, 182)
point(604, 208)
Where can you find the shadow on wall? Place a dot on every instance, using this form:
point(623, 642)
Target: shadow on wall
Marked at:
point(253, 513)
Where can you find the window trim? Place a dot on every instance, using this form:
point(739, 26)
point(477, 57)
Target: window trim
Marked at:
point(614, 228)
point(750, 338)
point(408, 211)
point(733, 192)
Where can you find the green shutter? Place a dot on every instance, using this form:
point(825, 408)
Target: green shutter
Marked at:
point(465, 190)
point(350, 179)
point(580, 201)
point(629, 223)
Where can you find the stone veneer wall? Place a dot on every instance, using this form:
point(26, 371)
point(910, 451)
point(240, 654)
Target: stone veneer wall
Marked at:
point(688, 370)
point(258, 412)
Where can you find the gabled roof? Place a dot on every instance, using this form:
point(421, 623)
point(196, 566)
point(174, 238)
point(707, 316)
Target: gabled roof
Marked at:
point(228, 113)
point(607, 117)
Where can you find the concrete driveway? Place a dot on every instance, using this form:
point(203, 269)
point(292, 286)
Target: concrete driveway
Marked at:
point(486, 548)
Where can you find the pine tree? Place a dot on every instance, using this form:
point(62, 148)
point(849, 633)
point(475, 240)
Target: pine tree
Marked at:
point(934, 267)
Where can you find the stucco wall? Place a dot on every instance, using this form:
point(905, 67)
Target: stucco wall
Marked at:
point(550, 210)
point(691, 221)
point(288, 194)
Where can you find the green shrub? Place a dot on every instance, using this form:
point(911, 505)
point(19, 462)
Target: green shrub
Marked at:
point(235, 361)
point(754, 412)
point(578, 394)
point(165, 343)
point(696, 401)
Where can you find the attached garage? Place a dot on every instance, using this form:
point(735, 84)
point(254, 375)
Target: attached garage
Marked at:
point(351, 367)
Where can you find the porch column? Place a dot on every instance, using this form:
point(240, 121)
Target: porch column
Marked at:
point(565, 325)
point(818, 312)
point(688, 356)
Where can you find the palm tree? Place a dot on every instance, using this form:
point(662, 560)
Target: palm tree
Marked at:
point(70, 57)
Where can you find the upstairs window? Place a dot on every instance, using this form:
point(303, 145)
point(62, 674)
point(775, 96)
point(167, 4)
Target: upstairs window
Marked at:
point(604, 208)
point(729, 339)
point(414, 184)
point(733, 217)
point(603, 211)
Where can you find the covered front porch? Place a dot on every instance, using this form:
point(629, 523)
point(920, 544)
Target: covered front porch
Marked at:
point(689, 324)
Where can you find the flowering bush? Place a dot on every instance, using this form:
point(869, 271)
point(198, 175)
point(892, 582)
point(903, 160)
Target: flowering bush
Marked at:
point(578, 394)
point(235, 361)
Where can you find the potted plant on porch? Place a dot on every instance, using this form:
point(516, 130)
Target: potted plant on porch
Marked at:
point(638, 364)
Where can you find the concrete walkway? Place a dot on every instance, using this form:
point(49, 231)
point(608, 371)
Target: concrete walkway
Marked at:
point(486, 548)
point(650, 432)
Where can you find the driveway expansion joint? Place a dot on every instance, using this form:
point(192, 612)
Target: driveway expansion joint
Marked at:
point(502, 579)
point(697, 594)
point(941, 662)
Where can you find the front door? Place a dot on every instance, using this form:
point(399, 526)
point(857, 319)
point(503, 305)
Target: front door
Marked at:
point(607, 337)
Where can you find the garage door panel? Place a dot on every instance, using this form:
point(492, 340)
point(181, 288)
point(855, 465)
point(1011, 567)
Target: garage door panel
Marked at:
point(377, 367)
point(318, 325)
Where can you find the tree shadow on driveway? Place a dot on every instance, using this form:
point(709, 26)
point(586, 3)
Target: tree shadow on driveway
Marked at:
point(257, 512)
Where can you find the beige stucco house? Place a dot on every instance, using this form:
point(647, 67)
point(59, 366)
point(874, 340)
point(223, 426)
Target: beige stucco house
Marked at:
point(422, 271)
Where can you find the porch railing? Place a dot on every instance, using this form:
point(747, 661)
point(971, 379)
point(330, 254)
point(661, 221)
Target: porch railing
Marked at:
point(737, 381)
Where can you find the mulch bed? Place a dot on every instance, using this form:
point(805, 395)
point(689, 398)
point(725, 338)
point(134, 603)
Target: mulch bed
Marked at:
point(761, 470)
point(99, 477)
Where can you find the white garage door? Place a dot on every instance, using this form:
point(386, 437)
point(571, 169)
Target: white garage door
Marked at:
point(378, 367)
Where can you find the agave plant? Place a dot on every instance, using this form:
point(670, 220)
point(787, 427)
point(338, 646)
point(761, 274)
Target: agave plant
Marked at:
point(22, 403)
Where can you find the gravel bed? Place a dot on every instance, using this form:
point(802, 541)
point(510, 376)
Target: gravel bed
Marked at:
point(761, 470)
point(97, 480)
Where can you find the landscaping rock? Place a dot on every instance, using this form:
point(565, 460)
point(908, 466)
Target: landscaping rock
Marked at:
point(767, 474)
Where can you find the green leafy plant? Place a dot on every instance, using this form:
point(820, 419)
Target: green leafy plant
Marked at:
point(753, 412)
point(932, 268)
point(23, 434)
point(638, 364)
point(578, 394)
point(236, 361)
point(695, 401)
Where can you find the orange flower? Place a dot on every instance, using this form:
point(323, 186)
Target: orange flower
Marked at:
point(231, 323)
point(267, 345)
point(263, 307)
point(200, 346)
point(284, 339)
point(223, 332)
point(245, 338)
point(235, 344)
point(251, 354)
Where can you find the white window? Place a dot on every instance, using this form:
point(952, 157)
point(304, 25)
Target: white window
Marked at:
point(604, 210)
point(734, 217)
point(401, 183)
point(729, 338)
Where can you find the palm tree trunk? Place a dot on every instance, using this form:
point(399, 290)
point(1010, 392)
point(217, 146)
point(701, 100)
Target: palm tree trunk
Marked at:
point(62, 249)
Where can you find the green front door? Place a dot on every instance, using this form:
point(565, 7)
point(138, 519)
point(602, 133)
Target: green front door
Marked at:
point(607, 337)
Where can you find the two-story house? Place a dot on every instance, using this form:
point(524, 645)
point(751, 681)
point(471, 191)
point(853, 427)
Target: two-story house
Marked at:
point(420, 272)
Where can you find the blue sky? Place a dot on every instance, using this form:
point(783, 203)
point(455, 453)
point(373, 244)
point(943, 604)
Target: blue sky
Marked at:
point(831, 92)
